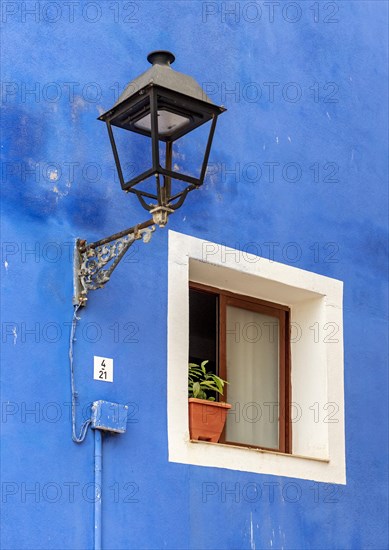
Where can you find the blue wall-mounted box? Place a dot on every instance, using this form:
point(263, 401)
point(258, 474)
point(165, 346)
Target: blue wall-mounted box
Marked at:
point(111, 417)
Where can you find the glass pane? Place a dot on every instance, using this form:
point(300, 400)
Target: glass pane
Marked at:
point(134, 152)
point(253, 376)
point(189, 151)
point(203, 328)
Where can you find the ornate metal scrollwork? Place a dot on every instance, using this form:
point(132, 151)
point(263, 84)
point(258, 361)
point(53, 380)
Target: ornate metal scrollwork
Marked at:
point(90, 271)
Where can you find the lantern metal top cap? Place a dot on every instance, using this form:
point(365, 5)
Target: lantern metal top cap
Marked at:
point(162, 75)
point(161, 57)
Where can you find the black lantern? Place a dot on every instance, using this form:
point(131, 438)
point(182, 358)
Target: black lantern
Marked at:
point(163, 105)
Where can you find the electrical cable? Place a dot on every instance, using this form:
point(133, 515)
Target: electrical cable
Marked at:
point(86, 424)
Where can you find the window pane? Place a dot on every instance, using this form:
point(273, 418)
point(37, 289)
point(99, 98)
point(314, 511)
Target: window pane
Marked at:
point(203, 328)
point(252, 373)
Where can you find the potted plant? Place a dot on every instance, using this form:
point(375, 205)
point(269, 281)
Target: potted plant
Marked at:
point(206, 415)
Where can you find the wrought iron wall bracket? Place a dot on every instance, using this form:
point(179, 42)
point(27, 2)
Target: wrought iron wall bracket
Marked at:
point(95, 262)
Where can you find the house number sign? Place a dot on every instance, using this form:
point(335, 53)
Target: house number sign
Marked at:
point(103, 369)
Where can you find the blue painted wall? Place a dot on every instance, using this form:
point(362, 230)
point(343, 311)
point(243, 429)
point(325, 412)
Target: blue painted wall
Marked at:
point(310, 89)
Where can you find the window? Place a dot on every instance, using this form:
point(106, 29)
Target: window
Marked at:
point(315, 305)
point(246, 341)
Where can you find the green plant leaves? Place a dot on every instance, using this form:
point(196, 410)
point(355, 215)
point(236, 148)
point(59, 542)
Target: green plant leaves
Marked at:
point(201, 382)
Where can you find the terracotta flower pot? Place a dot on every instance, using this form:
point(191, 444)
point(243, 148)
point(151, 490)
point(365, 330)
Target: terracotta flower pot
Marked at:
point(207, 419)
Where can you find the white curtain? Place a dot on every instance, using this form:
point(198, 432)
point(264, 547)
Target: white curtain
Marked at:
point(253, 376)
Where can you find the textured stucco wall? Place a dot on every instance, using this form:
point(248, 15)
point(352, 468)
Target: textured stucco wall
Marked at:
point(299, 163)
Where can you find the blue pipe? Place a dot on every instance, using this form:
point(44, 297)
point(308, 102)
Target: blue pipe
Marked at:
point(98, 487)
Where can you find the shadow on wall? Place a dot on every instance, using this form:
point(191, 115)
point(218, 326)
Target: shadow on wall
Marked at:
point(41, 187)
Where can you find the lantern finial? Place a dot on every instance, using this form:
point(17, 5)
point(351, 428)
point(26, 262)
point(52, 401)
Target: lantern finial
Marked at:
point(161, 57)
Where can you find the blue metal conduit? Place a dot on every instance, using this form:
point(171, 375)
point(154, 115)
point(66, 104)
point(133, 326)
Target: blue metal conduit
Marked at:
point(98, 487)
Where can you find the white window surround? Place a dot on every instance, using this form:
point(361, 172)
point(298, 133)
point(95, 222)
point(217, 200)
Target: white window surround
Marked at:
point(318, 437)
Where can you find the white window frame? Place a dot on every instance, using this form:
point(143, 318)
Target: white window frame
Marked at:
point(318, 433)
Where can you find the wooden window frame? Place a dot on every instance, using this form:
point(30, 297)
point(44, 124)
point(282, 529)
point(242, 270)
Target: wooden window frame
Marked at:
point(282, 313)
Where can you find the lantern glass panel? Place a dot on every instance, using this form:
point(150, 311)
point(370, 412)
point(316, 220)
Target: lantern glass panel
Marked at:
point(189, 150)
point(134, 152)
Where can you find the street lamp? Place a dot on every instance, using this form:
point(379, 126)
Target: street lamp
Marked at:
point(164, 105)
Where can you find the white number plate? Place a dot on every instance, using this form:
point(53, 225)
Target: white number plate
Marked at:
point(103, 369)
